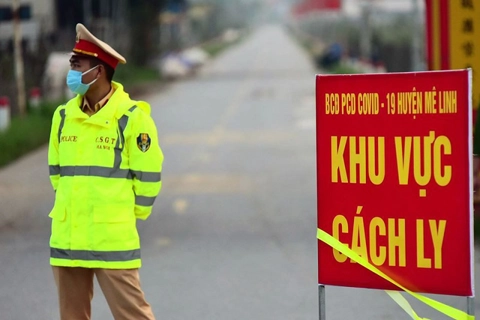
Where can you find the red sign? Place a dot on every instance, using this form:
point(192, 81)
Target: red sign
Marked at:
point(394, 179)
point(307, 6)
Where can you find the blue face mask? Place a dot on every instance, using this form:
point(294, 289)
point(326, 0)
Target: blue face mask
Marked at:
point(74, 81)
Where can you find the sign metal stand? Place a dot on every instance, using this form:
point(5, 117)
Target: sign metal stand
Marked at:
point(471, 306)
point(321, 302)
point(322, 307)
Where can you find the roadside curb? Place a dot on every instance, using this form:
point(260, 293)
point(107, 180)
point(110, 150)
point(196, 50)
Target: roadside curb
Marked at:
point(23, 184)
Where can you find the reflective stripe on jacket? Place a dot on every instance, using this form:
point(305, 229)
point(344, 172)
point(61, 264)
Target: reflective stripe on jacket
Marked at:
point(106, 172)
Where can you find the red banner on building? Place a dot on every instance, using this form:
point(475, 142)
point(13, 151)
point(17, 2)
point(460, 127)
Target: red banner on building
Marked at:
point(394, 179)
point(307, 6)
point(453, 38)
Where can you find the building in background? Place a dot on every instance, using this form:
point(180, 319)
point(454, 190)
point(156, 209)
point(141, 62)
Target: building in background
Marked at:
point(104, 18)
point(53, 22)
point(354, 7)
point(174, 27)
point(312, 6)
point(37, 18)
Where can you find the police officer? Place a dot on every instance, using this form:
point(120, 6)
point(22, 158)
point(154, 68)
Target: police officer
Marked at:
point(105, 167)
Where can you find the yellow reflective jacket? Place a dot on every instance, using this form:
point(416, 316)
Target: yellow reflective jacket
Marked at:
point(106, 172)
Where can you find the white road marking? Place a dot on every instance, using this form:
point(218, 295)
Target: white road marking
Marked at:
point(180, 206)
point(163, 242)
point(304, 114)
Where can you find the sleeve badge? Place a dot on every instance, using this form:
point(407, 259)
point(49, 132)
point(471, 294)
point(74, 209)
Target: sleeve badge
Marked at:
point(143, 142)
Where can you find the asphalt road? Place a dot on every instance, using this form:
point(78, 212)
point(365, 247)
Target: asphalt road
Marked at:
point(233, 233)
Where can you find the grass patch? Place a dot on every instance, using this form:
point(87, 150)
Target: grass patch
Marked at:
point(130, 75)
point(26, 134)
point(343, 69)
point(476, 229)
point(214, 48)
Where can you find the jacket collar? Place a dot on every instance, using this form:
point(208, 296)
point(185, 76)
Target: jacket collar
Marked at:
point(107, 115)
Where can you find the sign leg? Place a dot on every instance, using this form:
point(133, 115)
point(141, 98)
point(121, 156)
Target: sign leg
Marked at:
point(471, 306)
point(321, 301)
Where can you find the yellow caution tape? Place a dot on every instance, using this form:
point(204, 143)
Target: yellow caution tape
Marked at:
point(395, 295)
point(403, 303)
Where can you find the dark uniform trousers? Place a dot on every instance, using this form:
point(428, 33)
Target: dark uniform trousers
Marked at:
point(121, 289)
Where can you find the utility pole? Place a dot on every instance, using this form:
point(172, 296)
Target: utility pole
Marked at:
point(87, 13)
point(105, 21)
point(120, 25)
point(18, 56)
point(366, 33)
point(415, 47)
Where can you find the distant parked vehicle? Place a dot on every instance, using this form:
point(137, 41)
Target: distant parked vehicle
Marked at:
point(331, 57)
